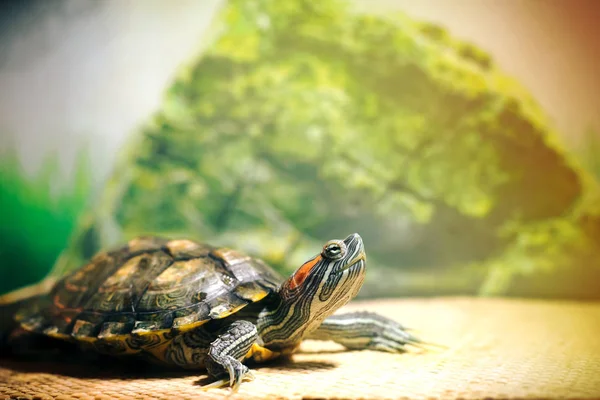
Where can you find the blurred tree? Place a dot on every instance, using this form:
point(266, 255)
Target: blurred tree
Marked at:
point(305, 121)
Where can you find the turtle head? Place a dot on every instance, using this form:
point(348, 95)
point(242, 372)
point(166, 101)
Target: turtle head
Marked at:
point(317, 289)
point(332, 277)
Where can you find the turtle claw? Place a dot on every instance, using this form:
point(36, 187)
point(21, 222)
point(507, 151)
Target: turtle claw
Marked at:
point(250, 376)
point(225, 382)
point(414, 341)
point(429, 345)
point(216, 384)
point(390, 342)
point(238, 373)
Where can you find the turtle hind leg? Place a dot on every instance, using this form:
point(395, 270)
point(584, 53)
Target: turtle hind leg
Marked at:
point(226, 353)
point(367, 331)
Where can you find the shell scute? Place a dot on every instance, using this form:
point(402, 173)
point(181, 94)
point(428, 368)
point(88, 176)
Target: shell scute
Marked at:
point(251, 291)
point(147, 341)
point(225, 304)
point(145, 326)
point(157, 320)
point(181, 273)
point(229, 256)
point(84, 329)
point(184, 283)
point(191, 320)
point(121, 291)
point(146, 244)
point(112, 329)
point(74, 290)
point(35, 323)
point(183, 249)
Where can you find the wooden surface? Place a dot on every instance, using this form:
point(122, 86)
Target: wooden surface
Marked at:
point(497, 349)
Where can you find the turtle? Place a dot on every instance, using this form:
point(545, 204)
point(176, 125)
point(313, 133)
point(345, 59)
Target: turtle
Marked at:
point(188, 304)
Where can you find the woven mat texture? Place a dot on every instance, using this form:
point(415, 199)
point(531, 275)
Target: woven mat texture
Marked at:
point(497, 349)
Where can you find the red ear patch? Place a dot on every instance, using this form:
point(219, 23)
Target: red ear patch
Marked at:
point(302, 273)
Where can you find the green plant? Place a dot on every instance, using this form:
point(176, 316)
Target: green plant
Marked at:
point(589, 152)
point(38, 214)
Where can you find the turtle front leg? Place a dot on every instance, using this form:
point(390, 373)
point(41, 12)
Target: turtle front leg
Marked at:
point(226, 353)
point(365, 330)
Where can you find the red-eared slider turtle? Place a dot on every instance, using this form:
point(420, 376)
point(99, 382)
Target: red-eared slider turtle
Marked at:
point(188, 304)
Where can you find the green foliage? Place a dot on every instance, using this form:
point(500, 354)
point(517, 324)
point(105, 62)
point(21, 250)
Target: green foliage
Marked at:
point(554, 257)
point(534, 247)
point(589, 152)
point(305, 121)
point(38, 215)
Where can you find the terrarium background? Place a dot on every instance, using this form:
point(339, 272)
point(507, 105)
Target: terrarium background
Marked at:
point(284, 124)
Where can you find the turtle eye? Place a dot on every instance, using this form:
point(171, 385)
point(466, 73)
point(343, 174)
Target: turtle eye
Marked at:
point(333, 250)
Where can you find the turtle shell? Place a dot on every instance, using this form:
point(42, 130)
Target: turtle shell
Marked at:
point(151, 285)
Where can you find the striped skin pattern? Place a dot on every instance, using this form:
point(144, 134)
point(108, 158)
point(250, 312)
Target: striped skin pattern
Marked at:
point(302, 306)
point(365, 330)
point(191, 305)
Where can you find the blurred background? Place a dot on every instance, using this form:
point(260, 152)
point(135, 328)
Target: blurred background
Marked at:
point(460, 138)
